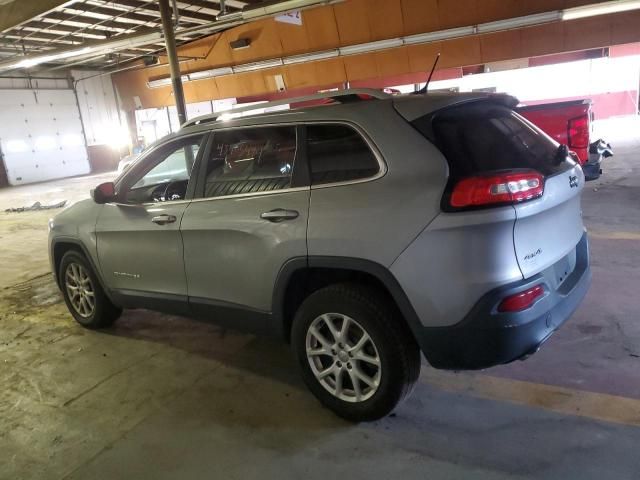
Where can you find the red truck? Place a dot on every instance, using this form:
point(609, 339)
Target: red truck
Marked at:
point(570, 123)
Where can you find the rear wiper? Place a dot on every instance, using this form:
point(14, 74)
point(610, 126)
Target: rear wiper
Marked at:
point(561, 154)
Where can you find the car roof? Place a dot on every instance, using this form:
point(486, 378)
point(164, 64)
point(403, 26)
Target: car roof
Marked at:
point(410, 106)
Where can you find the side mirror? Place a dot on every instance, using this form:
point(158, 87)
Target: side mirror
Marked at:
point(104, 192)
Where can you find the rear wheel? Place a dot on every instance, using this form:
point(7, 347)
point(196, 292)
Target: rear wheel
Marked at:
point(355, 354)
point(83, 293)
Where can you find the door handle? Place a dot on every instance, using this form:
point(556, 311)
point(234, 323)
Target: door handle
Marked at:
point(164, 219)
point(279, 215)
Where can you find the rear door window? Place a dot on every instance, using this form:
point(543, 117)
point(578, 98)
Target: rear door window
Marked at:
point(486, 137)
point(250, 160)
point(338, 153)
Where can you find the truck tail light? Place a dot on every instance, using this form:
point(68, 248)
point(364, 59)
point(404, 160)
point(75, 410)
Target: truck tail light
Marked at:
point(579, 132)
point(521, 301)
point(506, 188)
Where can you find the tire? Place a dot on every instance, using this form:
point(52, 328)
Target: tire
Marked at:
point(76, 275)
point(365, 310)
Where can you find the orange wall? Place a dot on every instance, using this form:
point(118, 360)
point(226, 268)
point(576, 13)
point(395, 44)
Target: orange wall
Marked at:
point(360, 21)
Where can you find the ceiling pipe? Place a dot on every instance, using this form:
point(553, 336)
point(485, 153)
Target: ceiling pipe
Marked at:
point(172, 56)
point(176, 14)
point(151, 35)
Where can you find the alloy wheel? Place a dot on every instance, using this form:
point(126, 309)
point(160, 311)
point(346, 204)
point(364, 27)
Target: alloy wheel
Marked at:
point(80, 290)
point(343, 357)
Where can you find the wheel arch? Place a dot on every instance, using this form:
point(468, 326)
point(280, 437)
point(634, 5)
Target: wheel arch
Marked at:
point(60, 246)
point(301, 276)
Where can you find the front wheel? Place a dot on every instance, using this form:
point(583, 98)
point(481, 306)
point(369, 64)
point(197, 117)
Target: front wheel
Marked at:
point(83, 293)
point(355, 354)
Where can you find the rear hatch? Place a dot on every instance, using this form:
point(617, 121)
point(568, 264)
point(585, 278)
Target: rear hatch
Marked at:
point(498, 158)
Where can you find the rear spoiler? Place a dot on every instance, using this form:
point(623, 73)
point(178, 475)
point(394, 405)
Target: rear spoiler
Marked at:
point(417, 106)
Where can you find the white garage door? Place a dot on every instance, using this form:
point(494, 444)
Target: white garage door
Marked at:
point(41, 135)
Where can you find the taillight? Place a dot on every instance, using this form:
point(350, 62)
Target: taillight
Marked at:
point(492, 189)
point(579, 132)
point(521, 301)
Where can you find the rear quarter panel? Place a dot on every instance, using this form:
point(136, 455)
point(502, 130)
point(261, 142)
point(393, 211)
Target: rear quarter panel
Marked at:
point(455, 261)
point(376, 220)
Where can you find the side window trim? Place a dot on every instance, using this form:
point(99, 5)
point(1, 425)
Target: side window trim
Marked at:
point(127, 180)
point(301, 176)
point(196, 188)
point(296, 178)
point(382, 165)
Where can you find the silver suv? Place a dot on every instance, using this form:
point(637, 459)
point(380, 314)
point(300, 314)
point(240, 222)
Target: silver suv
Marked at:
point(362, 231)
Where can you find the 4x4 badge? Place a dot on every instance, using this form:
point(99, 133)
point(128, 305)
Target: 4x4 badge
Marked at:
point(573, 181)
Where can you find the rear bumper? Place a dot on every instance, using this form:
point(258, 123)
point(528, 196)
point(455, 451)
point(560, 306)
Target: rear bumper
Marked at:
point(486, 338)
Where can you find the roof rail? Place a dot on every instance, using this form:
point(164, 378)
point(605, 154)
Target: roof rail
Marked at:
point(334, 95)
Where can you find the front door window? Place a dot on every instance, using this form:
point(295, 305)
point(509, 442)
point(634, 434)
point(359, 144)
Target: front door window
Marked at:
point(165, 174)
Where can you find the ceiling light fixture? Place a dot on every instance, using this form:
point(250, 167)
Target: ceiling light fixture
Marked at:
point(214, 72)
point(31, 62)
point(250, 67)
point(311, 57)
point(439, 35)
point(519, 22)
point(604, 8)
point(371, 46)
point(165, 82)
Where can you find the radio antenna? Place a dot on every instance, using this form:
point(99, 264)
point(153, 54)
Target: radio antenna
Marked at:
point(433, 69)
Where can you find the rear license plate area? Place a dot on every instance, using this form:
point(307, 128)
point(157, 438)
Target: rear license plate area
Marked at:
point(564, 267)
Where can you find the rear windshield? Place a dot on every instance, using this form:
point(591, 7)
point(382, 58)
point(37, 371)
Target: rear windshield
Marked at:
point(485, 137)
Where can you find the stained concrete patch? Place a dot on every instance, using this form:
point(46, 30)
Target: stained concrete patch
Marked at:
point(66, 393)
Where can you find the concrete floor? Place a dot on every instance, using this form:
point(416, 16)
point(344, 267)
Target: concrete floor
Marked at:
point(163, 397)
point(23, 236)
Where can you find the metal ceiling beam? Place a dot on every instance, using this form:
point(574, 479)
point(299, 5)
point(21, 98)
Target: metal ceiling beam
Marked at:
point(44, 36)
point(28, 29)
point(143, 50)
point(17, 45)
point(203, 4)
point(142, 7)
point(59, 27)
point(18, 12)
point(8, 50)
point(85, 21)
point(104, 13)
point(215, 4)
point(150, 35)
point(212, 7)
